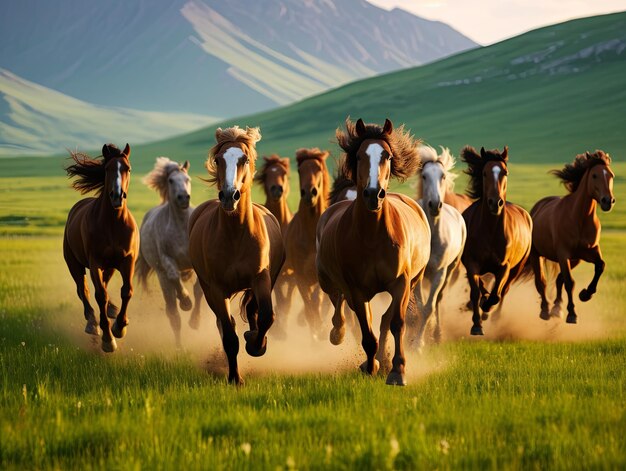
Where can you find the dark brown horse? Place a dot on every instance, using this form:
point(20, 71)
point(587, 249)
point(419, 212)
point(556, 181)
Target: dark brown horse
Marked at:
point(235, 245)
point(300, 236)
point(378, 242)
point(101, 234)
point(567, 230)
point(498, 232)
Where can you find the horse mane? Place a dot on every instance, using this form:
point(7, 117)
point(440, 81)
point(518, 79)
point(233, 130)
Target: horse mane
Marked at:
point(446, 159)
point(157, 178)
point(315, 153)
point(90, 171)
point(270, 161)
point(340, 184)
point(475, 164)
point(405, 157)
point(572, 174)
point(248, 137)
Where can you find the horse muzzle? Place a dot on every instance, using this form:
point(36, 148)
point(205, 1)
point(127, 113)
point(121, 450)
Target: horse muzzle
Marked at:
point(117, 199)
point(309, 197)
point(183, 200)
point(229, 198)
point(495, 206)
point(374, 198)
point(606, 203)
point(434, 208)
point(276, 191)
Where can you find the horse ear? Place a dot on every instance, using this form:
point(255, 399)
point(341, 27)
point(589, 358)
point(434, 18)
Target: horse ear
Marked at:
point(106, 152)
point(324, 155)
point(388, 127)
point(360, 127)
point(505, 153)
point(286, 161)
point(218, 134)
point(186, 165)
point(483, 154)
point(126, 151)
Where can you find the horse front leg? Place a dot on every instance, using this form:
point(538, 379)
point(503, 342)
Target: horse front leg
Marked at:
point(536, 262)
point(194, 319)
point(127, 268)
point(437, 281)
point(501, 277)
point(474, 281)
point(112, 309)
point(594, 256)
point(400, 293)
point(108, 342)
point(369, 342)
point(256, 340)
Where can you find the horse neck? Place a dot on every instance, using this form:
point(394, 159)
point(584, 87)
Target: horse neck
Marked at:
point(490, 219)
point(106, 210)
point(364, 219)
point(583, 204)
point(313, 212)
point(177, 214)
point(279, 209)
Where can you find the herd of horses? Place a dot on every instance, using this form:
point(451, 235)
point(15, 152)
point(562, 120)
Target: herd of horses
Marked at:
point(351, 241)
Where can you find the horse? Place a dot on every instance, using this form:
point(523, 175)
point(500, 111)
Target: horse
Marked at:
point(300, 235)
point(499, 233)
point(236, 245)
point(377, 242)
point(343, 189)
point(447, 228)
point(101, 234)
point(458, 201)
point(566, 229)
point(274, 178)
point(164, 246)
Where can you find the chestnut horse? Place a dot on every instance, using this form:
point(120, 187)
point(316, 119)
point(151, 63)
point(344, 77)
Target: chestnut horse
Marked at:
point(101, 234)
point(300, 236)
point(567, 230)
point(498, 232)
point(164, 244)
point(378, 242)
point(235, 245)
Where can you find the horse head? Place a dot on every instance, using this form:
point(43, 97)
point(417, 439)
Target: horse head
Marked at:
point(117, 173)
point(495, 174)
point(600, 185)
point(433, 186)
point(373, 168)
point(179, 186)
point(313, 175)
point(275, 177)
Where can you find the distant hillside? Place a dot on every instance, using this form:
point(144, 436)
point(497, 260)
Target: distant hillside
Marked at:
point(213, 57)
point(36, 120)
point(548, 94)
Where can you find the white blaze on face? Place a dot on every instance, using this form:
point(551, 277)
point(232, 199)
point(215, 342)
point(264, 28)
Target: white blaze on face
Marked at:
point(430, 184)
point(117, 186)
point(496, 174)
point(231, 157)
point(351, 195)
point(374, 151)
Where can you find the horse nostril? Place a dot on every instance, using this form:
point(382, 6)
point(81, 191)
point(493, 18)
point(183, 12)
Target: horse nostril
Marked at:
point(612, 200)
point(314, 191)
point(500, 203)
point(440, 205)
point(382, 193)
point(220, 195)
point(236, 195)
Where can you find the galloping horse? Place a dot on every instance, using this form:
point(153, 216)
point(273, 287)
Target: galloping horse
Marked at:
point(236, 245)
point(101, 234)
point(447, 227)
point(164, 244)
point(378, 242)
point(274, 177)
point(498, 232)
point(300, 236)
point(567, 230)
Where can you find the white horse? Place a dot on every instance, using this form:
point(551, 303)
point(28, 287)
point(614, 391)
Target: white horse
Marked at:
point(164, 245)
point(448, 232)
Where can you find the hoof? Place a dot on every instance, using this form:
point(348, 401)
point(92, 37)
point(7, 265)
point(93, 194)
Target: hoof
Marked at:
point(484, 316)
point(337, 335)
point(584, 295)
point(544, 314)
point(194, 321)
point(236, 380)
point(251, 337)
point(396, 379)
point(109, 347)
point(92, 328)
point(556, 311)
point(477, 330)
point(112, 310)
point(374, 371)
point(186, 304)
point(117, 331)
point(572, 319)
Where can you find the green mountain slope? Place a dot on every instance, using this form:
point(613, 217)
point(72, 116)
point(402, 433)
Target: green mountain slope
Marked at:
point(548, 94)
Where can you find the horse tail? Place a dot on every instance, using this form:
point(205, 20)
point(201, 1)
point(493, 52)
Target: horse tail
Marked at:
point(142, 271)
point(247, 297)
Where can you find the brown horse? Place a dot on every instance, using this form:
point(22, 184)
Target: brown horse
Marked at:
point(101, 234)
point(567, 230)
point(378, 242)
point(300, 236)
point(235, 245)
point(498, 232)
point(274, 178)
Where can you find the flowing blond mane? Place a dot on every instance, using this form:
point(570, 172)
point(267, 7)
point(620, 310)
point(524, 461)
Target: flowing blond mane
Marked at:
point(157, 178)
point(427, 155)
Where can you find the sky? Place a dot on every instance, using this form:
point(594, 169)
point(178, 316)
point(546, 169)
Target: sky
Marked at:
point(490, 21)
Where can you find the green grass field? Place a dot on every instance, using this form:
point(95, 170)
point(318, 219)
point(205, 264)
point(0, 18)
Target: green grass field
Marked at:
point(530, 395)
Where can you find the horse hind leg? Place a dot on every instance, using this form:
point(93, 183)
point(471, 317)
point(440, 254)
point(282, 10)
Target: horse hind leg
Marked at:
point(536, 263)
point(127, 269)
point(338, 332)
point(82, 290)
point(108, 342)
point(398, 307)
point(194, 319)
point(171, 310)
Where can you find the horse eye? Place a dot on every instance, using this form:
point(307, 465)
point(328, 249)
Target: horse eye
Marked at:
point(443, 178)
point(423, 177)
point(170, 180)
point(247, 161)
point(389, 157)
